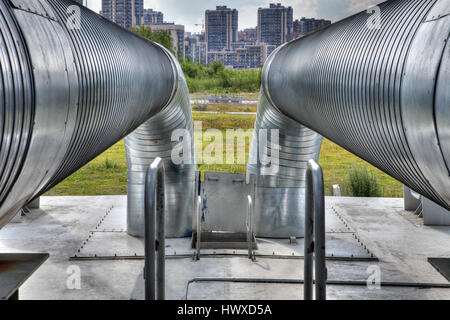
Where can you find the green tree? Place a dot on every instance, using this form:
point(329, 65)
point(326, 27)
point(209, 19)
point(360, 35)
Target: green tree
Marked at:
point(217, 67)
point(164, 38)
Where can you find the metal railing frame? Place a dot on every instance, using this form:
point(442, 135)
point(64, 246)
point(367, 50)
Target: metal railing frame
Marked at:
point(314, 233)
point(360, 283)
point(250, 227)
point(154, 270)
point(199, 227)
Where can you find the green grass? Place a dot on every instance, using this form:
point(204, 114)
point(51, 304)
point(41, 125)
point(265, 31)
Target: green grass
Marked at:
point(336, 164)
point(107, 175)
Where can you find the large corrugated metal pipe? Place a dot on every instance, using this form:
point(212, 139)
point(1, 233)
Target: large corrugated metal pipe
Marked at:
point(160, 137)
point(73, 84)
point(377, 84)
point(279, 155)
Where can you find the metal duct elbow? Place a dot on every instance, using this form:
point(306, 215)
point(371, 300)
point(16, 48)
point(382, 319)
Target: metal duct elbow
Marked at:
point(72, 84)
point(159, 137)
point(380, 90)
point(279, 154)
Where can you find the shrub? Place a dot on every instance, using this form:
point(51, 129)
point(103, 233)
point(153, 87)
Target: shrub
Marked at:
point(110, 164)
point(363, 183)
point(215, 78)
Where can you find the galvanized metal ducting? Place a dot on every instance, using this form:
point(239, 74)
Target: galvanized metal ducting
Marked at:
point(69, 90)
point(280, 174)
point(381, 91)
point(159, 137)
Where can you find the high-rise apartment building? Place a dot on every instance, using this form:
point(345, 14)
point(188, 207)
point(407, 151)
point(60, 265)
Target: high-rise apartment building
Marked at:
point(126, 13)
point(177, 33)
point(191, 47)
point(221, 28)
point(248, 35)
point(275, 24)
point(247, 56)
point(306, 26)
point(195, 48)
point(153, 17)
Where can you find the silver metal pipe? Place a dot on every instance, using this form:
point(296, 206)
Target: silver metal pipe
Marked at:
point(158, 138)
point(72, 86)
point(280, 184)
point(315, 233)
point(154, 271)
point(379, 91)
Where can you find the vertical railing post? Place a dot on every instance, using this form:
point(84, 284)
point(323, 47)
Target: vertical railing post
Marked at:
point(314, 233)
point(154, 271)
point(199, 226)
point(250, 224)
point(309, 239)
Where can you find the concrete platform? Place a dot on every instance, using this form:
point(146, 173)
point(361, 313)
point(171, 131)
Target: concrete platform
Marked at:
point(86, 237)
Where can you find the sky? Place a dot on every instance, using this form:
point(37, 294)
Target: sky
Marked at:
point(192, 12)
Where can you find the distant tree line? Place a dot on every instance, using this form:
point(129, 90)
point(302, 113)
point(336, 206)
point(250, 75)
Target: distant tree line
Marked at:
point(164, 38)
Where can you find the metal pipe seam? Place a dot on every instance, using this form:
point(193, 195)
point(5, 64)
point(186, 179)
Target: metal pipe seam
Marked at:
point(225, 255)
point(380, 93)
point(74, 93)
point(154, 139)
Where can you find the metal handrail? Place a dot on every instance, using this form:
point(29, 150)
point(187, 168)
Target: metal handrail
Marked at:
point(314, 233)
point(199, 226)
point(154, 271)
point(250, 226)
point(391, 284)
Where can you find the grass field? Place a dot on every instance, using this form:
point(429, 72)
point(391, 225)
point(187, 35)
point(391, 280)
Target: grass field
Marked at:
point(244, 95)
point(107, 175)
point(225, 107)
